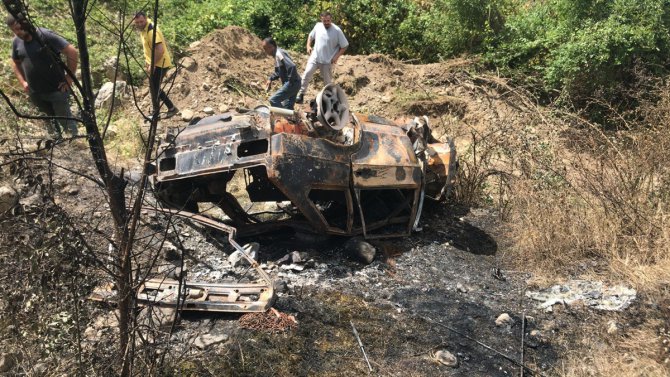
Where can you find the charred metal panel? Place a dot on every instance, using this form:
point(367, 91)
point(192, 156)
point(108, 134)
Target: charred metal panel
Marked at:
point(301, 163)
point(216, 144)
point(385, 158)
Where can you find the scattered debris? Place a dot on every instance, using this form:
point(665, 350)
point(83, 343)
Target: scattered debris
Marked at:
point(612, 327)
point(237, 256)
point(445, 357)
point(293, 257)
point(596, 295)
point(271, 320)
point(292, 267)
point(360, 344)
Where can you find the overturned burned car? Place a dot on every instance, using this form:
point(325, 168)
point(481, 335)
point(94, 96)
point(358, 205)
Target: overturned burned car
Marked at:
point(339, 173)
point(326, 171)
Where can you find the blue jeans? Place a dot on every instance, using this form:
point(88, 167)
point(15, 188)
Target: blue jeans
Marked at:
point(56, 104)
point(285, 96)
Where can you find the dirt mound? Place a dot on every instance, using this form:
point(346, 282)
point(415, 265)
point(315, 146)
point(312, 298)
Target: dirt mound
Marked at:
point(227, 69)
point(233, 42)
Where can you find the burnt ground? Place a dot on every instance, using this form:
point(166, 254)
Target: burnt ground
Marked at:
point(450, 273)
point(455, 274)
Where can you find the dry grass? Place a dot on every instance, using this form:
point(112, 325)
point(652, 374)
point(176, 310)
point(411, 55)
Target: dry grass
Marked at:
point(582, 202)
point(607, 205)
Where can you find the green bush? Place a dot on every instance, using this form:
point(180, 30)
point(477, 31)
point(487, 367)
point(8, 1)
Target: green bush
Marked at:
point(585, 48)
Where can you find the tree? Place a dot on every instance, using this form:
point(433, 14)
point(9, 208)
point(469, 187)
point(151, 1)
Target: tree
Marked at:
point(125, 214)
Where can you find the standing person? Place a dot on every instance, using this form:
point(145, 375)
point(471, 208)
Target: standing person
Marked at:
point(329, 45)
point(41, 76)
point(161, 59)
point(285, 70)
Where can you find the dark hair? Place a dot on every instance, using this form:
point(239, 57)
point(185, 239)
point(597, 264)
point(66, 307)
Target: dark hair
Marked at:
point(326, 13)
point(140, 13)
point(271, 41)
point(10, 20)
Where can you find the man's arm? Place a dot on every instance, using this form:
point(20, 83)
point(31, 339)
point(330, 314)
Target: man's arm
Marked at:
point(72, 59)
point(19, 74)
point(159, 51)
point(338, 54)
point(309, 45)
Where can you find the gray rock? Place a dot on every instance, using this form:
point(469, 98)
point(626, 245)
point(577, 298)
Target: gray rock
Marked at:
point(205, 340)
point(7, 361)
point(251, 249)
point(446, 358)
point(157, 317)
point(280, 286)
point(105, 93)
point(110, 319)
point(8, 198)
point(504, 320)
point(40, 368)
point(187, 115)
point(235, 258)
point(206, 86)
point(188, 63)
point(111, 71)
point(71, 190)
point(461, 288)
point(398, 72)
point(170, 251)
point(358, 249)
point(208, 110)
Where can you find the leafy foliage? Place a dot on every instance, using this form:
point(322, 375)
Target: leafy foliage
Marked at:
point(578, 49)
point(585, 48)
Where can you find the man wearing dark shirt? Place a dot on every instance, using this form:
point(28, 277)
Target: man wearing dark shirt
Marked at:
point(285, 70)
point(41, 76)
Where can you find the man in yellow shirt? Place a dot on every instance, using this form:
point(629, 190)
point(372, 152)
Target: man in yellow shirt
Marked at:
point(161, 59)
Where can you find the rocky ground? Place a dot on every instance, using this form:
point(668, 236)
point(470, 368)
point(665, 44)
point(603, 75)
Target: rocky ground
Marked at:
point(445, 301)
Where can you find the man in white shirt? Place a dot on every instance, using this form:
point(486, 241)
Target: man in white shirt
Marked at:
point(329, 45)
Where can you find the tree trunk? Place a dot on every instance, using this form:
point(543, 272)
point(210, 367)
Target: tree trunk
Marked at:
point(114, 185)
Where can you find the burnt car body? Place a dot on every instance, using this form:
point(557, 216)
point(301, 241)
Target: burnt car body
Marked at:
point(343, 174)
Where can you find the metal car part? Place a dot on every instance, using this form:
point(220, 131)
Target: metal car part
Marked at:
point(202, 296)
point(333, 107)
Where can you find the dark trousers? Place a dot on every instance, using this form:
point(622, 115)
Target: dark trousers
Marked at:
point(155, 83)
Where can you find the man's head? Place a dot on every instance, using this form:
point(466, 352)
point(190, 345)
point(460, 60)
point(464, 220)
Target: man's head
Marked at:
point(17, 29)
point(269, 46)
point(326, 19)
point(140, 20)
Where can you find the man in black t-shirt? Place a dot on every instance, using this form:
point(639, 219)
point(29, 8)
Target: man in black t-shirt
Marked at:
point(286, 71)
point(41, 76)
